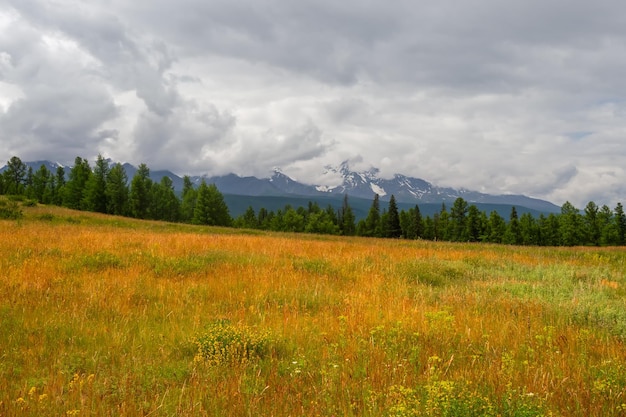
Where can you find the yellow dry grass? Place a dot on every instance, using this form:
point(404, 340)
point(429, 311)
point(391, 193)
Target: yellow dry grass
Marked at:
point(98, 316)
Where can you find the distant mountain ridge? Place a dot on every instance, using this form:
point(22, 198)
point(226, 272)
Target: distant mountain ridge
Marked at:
point(362, 185)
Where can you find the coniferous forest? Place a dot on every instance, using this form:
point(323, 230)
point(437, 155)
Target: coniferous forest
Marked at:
point(107, 189)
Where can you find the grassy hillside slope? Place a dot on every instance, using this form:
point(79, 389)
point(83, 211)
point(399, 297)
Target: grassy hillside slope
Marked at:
point(111, 316)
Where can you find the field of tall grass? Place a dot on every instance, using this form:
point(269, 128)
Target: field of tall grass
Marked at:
point(110, 316)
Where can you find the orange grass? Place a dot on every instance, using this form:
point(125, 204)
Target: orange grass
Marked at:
point(98, 316)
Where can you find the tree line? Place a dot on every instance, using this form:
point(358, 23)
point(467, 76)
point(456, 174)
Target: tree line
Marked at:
point(107, 189)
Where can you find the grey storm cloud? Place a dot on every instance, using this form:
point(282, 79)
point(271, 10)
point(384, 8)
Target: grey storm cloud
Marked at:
point(521, 97)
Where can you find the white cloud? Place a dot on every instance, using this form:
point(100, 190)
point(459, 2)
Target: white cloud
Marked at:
point(521, 97)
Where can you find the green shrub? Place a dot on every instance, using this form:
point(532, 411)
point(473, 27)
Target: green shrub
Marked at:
point(226, 344)
point(29, 203)
point(10, 210)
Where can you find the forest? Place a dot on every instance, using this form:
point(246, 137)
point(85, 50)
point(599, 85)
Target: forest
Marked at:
point(107, 189)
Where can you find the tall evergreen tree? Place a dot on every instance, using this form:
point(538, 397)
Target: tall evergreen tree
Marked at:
point(529, 229)
point(393, 229)
point(513, 235)
point(620, 222)
point(458, 217)
point(429, 228)
point(570, 222)
point(592, 224)
point(417, 222)
point(607, 226)
point(248, 220)
point(42, 184)
point(549, 230)
point(15, 176)
point(443, 224)
point(210, 207)
point(75, 187)
point(293, 220)
point(164, 203)
point(496, 228)
point(116, 190)
point(59, 186)
point(473, 225)
point(346, 219)
point(373, 226)
point(139, 196)
point(189, 198)
point(94, 198)
point(28, 184)
point(264, 218)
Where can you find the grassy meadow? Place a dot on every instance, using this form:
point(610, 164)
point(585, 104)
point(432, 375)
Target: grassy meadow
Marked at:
point(105, 315)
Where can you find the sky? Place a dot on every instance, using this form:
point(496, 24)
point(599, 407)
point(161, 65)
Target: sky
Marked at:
point(521, 96)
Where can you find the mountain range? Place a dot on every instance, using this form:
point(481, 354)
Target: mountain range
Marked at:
point(279, 189)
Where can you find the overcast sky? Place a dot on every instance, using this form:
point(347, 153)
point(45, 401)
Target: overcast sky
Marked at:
point(520, 96)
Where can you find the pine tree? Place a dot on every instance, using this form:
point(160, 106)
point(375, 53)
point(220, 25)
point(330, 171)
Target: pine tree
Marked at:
point(458, 217)
point(393, 229)
point(94, 198)
point(529, 230)
point(417, 222)
point(210, 208)
point(293, 221)
point(116, 190)
point(59, 186)
point(474, 227)
point(607, 226)
point(28, 184)
point(620, 222)
point(570, 222)
point(497, 228)
point(513, 235)
point(164, 205)
point(15, 176)
point(442, 224)
point(592, 225)
point(139, 196)
point(189, 198)
point(346, 219)
point(75, 187)
point(42, 182)
point(249, 219)
point(372, 226)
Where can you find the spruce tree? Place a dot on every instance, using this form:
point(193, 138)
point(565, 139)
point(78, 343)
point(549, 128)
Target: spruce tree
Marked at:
point(513, 235)
point(116, 190)
point(15, 176)
point(458, 217)
point(75, 187)
point(59, 186)
point(607, 226)
point(620, 223)
point(393, 220)
point(346, 219)
point(210, 208)
point(570, 222)
point(497, 228)
point(139, 196)
point(372, 226)
point(189, 198)
point(94, 198)
point(473, 225)
point(592, 224)
point(42, 182)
